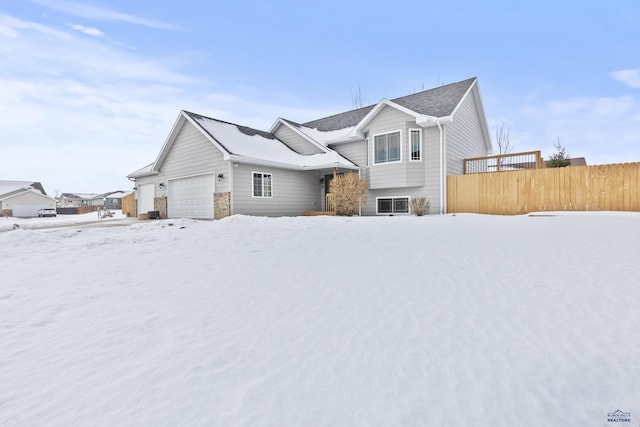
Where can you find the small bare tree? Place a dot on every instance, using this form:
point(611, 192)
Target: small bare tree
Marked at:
point(348, 193)
point(502, 140)
point(357, 100)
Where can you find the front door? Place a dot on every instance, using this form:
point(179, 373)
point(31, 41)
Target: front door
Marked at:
point(327, 183)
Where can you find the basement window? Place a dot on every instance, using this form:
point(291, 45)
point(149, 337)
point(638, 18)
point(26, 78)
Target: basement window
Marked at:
point(392, 205)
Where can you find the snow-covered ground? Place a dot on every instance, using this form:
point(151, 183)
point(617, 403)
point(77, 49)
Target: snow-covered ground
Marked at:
point(10, 223)
point(462, 320)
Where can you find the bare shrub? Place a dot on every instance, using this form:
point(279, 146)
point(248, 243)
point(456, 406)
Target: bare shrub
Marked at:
point(420, 206)
point(348, 193)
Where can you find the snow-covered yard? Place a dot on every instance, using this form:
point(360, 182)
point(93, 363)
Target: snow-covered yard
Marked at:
point(9, 223)
point(462, 320)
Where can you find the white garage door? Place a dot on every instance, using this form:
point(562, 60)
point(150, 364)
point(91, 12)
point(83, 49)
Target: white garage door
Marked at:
point(145, 196)
point(191, 197)
point(26, 211)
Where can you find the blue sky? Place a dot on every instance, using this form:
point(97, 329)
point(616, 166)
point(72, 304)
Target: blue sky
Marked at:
point(89, 90)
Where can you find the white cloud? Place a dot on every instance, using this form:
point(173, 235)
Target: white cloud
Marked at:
point(602, 129)
point(79, 114)
point(9, 26)
point(629, 77)
point(86, 30)
point(98, 13)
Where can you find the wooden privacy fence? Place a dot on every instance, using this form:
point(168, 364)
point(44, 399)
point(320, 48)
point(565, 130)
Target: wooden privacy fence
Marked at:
point(129, 205)
point(504, 162)
point(613, 187)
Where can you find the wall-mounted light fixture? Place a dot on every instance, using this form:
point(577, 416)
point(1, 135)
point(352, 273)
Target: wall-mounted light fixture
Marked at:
point(220, 176)
point(235, 165)
point(161, 185)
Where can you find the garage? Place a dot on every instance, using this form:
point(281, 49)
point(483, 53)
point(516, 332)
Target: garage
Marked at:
point(191, 197)
point(25, 204)
point(145, 194)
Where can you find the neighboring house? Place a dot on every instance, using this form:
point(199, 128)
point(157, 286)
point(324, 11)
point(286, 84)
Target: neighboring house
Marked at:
point(114, 200)
point(76, 200)
point(575, 161)
point(404, 148)
point(23, 198)
point(110, 200)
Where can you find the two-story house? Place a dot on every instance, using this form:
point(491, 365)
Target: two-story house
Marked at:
point(404, 147)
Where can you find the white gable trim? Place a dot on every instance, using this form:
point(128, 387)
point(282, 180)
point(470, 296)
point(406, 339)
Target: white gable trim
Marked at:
point(480, 109)
point(34, 191)
point(175, 130)
point(280, 121)
point(422, 120)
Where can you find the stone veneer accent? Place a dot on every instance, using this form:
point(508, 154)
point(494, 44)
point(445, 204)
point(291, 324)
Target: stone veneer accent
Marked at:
point(221, 205)
point(160, 204)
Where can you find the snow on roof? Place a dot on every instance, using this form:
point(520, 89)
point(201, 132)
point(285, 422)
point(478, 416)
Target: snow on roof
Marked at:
point(147, 170)
point(254, 145)
point(117, 194)
point(21, 191)
point(325, 137)
point(11, 186)
point(79, 195)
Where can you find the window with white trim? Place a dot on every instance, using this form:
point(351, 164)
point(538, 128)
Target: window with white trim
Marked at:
point(415, 136)
point(261, 184)
point(392, 205)
point(386, 147)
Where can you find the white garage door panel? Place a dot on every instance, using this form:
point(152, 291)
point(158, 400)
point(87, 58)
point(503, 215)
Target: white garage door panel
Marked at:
point(146, 193)
point(26, 211)
point(191, 197)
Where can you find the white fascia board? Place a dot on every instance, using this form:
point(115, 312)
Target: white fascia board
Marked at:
point(298, 132)
point(169, 141)
point(455, 110)
point(226, 155)
point(274, 127)
point(421, 119)
point(182, 117)
point(429, 121)
point(142, 174)
point(261, 162)
point(483, 119)
point(480, 109)
point(353, 136)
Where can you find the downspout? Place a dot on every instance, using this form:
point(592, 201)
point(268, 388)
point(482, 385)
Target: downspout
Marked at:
point(359, 203)
point(442, 210)
point(231, 194)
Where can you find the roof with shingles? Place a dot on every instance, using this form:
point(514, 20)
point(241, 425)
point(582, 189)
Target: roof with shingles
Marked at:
point(7, 187)
point(436, 102)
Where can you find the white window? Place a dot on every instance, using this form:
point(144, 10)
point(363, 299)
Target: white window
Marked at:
point(261, 184)
point(416, 144)
point(386, 147)
point(392, 205)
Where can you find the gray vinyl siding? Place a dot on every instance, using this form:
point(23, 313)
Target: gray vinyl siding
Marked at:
point(398, 174)
point(296, 142)
point(431, 160)
point(293, 192)
point(429, 167)
point(192, 154)
point(354, 151)
point(464, 136)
